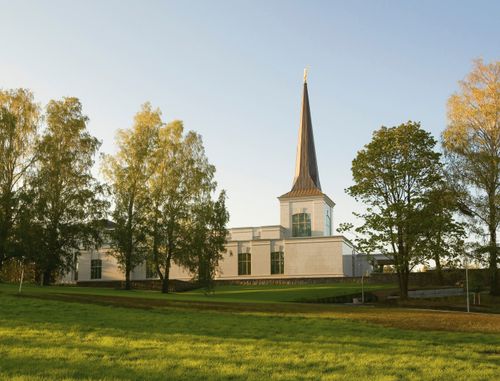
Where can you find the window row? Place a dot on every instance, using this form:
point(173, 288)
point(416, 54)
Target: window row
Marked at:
point(277, 263)
point(244, 265)
point(96, 269)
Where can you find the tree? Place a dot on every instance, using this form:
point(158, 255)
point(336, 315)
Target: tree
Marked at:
point(27, 232)
point(128, 172)
point(66, 197)
point(472, 146)
point(178, 188)
point(208, 239)
point(393, 175)
point(19, 120)
point(444, 236)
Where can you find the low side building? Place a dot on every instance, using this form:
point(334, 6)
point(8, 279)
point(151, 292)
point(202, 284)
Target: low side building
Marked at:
point(302, 246)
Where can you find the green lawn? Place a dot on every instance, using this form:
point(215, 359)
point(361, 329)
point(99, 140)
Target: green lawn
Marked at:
point(235, 294)
point(63, 333)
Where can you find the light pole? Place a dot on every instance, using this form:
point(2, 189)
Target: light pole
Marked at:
point(362, 288)
point(22, 275)
point(467, 282)
point(360, 267)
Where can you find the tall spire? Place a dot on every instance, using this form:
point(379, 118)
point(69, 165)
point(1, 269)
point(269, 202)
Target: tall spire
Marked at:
point(306, 179)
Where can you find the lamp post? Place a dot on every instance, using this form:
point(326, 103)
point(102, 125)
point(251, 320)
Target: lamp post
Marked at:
point(360, 267)
point(22, 275)
point(362, 288)
point(467, 282)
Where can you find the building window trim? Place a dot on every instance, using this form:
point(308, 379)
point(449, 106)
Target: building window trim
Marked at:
point(301, 225)
point(96, 269)
point(277, 262)
point(244, 263)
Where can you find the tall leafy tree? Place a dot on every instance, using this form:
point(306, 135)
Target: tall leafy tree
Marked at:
point(19, 121)
point(393, 175)
point(472, 145)
point(128, 173)
point(444, 235)
point(207, 239)
point(67, 197)
point(180, 183)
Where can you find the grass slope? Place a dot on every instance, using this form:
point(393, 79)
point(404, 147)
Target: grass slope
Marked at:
point(232, 294)
point(67, 334)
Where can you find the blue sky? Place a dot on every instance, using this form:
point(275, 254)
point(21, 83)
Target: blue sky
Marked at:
point(232, 71)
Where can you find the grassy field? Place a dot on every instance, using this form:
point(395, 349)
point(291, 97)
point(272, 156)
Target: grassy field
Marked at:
point(235, 294)
point(65, 333)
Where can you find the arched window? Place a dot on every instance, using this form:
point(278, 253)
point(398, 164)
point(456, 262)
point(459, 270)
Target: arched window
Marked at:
point(301, 225)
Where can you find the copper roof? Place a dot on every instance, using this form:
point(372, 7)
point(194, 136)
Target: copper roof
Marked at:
point(306, 180)
point(303, 192)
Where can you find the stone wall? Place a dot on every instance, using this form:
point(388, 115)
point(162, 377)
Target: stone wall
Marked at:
point(286, 281)
point(174, 285)
point(477, 278)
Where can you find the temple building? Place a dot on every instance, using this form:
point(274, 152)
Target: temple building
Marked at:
point(301, 246)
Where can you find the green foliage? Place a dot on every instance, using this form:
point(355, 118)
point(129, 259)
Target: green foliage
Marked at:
point(128, 173)
point(65, 197)
point(162, 186)
point(181, 210)
point(207, 240)
point(395, 175)
point(472, 146)
point(444, 236)
point(19, 121)
point(345, 227)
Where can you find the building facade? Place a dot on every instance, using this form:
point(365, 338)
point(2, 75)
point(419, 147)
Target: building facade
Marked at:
point(301, 246)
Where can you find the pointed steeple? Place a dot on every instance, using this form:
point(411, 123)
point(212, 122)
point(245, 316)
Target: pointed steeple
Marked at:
point(306, 181)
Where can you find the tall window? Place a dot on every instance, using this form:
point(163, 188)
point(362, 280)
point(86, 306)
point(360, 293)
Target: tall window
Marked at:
point(277, 262)
point(151, 269)
point(301, 225)
point(95, 269)
point(244, 263)
point(328, 223)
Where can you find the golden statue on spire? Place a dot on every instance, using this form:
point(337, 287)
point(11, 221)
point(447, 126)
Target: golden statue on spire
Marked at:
point(305, 74)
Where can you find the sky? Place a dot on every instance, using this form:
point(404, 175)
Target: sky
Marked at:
point(232, 71)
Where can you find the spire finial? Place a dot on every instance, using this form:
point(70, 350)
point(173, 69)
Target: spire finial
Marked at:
point(306, 167)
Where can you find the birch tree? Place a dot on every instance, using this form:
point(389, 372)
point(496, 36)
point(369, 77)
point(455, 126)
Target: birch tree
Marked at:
point(182, 179)
point(472, 145)
point(19, 122)
point(67, 198)
point(128, 173)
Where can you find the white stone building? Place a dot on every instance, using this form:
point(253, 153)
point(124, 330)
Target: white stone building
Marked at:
point(301, 246)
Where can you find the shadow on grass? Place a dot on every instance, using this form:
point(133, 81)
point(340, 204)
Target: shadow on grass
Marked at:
point(387, 317)
point(310, 322)
point(54, 339)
